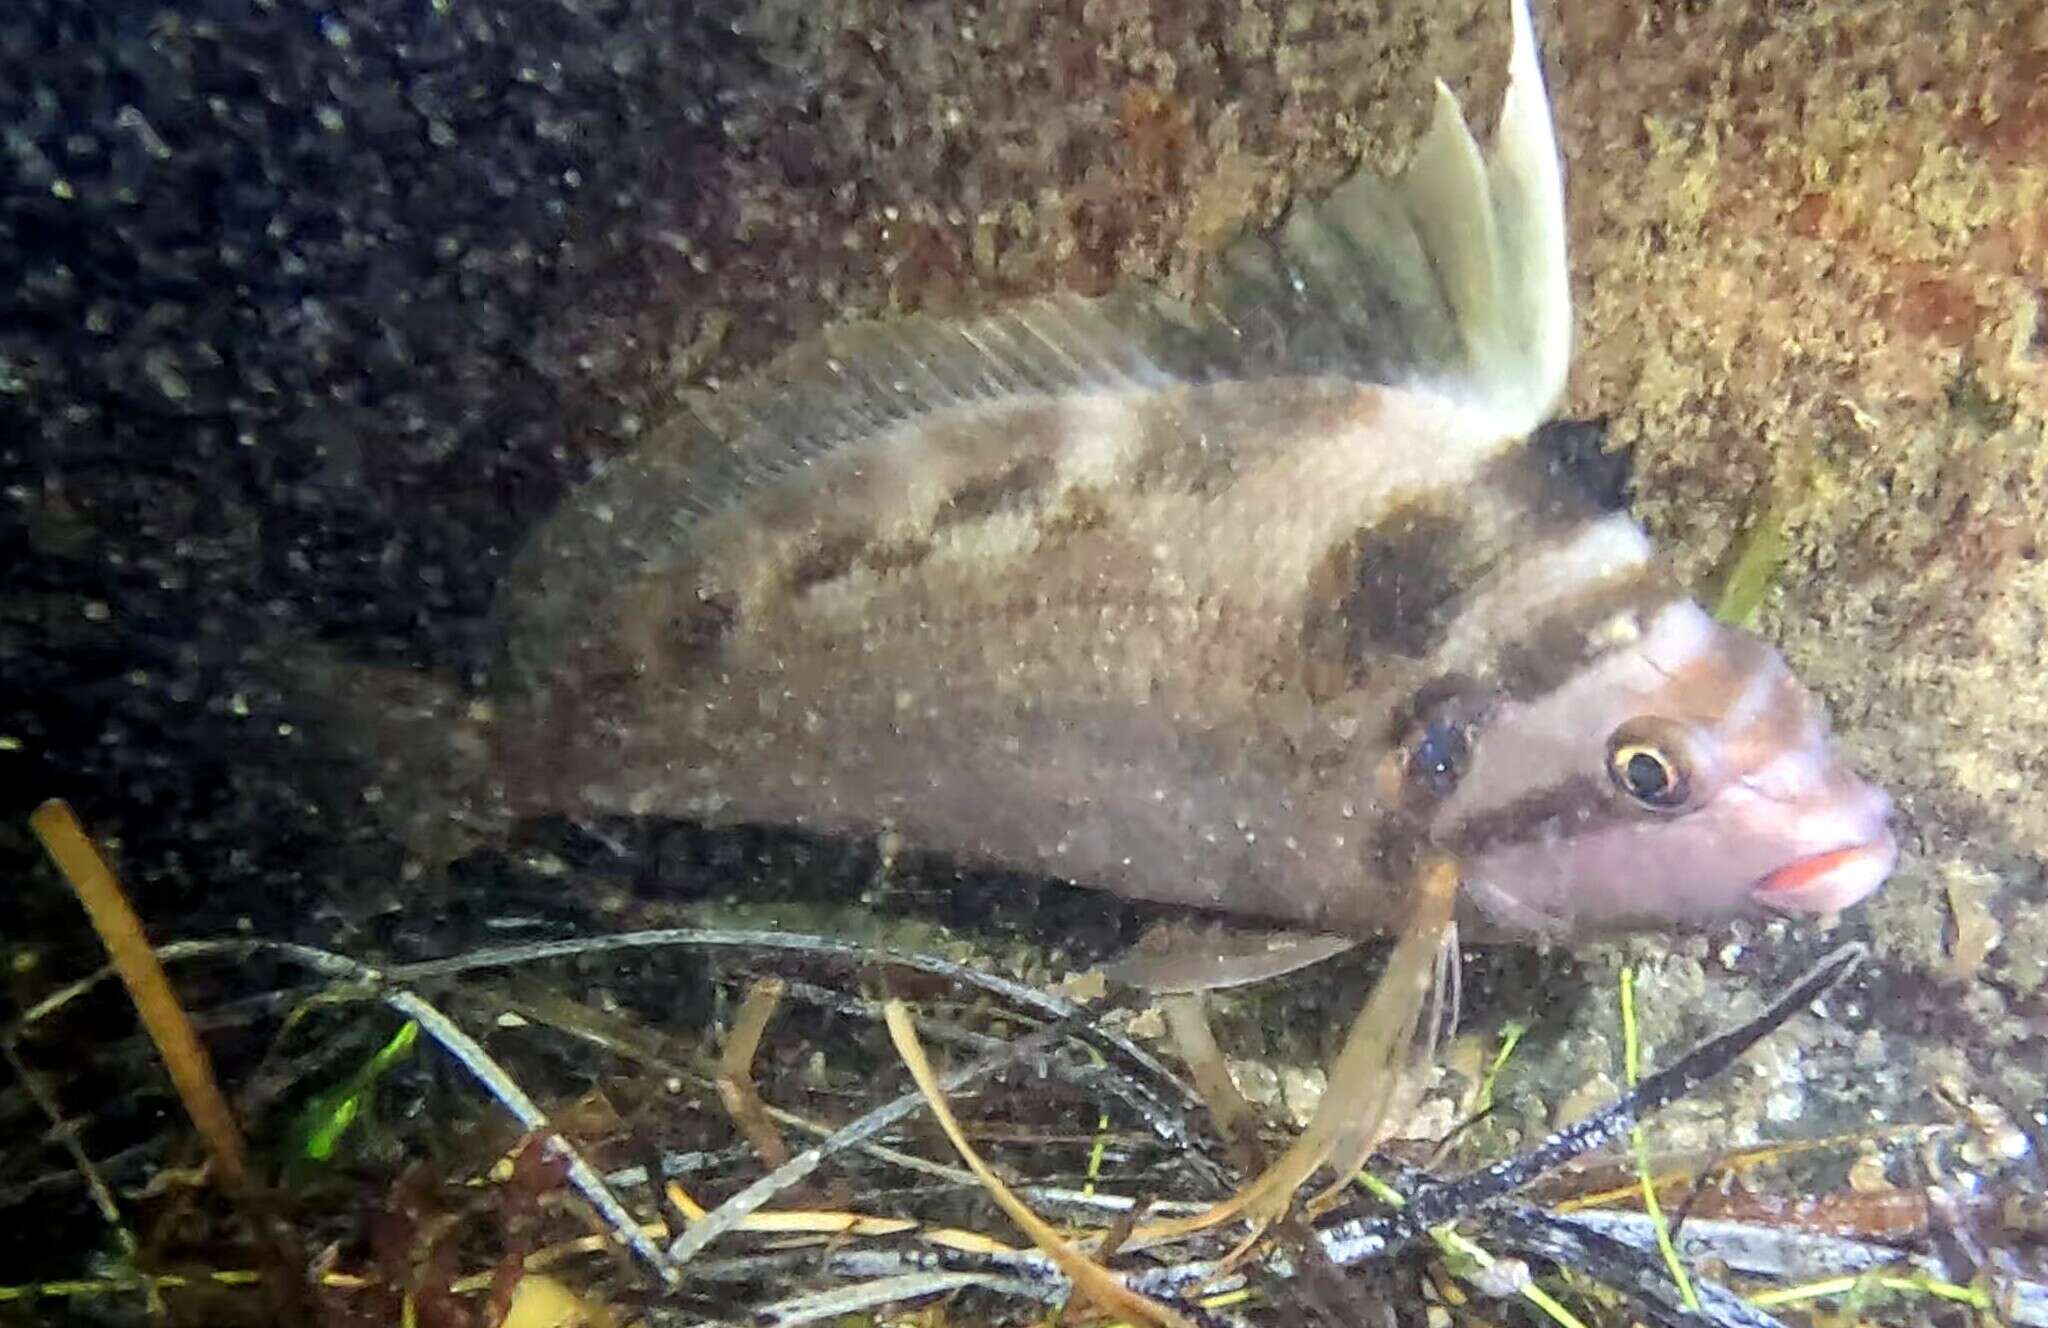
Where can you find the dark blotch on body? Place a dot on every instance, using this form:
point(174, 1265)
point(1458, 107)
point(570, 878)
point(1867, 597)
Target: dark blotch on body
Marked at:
point(900, 556)
point(829, 558)
point(834, 556)
point(1398, 584)
point(1082, 508)
point(701, 625)
point(1546, 485)
point(1577, 468)
point(1012, 488)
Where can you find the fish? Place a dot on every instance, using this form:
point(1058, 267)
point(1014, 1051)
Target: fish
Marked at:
point(1274, 602)
point(1253, 602)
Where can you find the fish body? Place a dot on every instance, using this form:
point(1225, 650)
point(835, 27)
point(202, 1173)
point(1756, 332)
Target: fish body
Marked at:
point(1101, 642)
point(1249, 605)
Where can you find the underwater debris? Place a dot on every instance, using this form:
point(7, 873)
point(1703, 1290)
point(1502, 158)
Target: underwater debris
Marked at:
point(1632, 1070)
point(1736, 589)
point(93, 881)
point(1099, 1288)
point(327, 1119)
point(1976, 929)
point(874, 1257)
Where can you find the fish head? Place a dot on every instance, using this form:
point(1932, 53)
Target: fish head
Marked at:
point(1682, 775)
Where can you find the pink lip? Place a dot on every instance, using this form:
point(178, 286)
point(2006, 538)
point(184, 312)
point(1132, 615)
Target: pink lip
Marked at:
point(1832, 881)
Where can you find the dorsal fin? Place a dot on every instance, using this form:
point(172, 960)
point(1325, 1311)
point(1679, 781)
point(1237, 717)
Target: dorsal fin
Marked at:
point(1450, 278)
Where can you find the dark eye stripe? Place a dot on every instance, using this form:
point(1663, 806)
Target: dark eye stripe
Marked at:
point(1581, 805)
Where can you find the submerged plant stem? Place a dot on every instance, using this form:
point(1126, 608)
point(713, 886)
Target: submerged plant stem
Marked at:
point(120, 931)
point(1099, 1284)
point(1632, 1068)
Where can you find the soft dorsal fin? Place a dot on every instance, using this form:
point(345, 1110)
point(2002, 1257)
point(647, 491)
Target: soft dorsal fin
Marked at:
point(1449, 278)
point(1452, 276)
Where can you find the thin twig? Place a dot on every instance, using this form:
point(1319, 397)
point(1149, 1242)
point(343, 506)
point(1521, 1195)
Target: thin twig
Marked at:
point(1448, 1201)
point(884, 1291)
point(326, 963)
point(1094, 1074)
point(120, 930)
point(729, 1214)
point(470, 1053)
point(735, 1079)
point(1348, 1242)
point(1033, 1276)
point(1632, 1071)
point(1654, 1296)
point(574, 1019)
point(369, 984)
point(1763, 1250)
point(1169, 1122)
point(95, 1184)
point(1101, 1287)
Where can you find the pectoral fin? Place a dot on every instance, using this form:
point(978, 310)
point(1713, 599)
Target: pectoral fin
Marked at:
point(1374, 1080)
point(1183, 957)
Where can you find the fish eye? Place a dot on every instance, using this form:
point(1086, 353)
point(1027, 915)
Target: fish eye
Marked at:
point(1438, 756)
point(1649, 763)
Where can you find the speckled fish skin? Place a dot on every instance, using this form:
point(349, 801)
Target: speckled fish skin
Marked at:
point(1187, 608)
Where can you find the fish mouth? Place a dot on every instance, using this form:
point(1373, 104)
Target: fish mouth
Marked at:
point(1830, 882)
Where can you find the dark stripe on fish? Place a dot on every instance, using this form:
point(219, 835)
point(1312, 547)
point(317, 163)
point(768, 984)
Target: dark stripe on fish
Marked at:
point(829, 557)
point(1574, 633)
point(1396, 585)
point(896, 556)
point(1581, 805)
point(1014, 488)
point(1398, 582)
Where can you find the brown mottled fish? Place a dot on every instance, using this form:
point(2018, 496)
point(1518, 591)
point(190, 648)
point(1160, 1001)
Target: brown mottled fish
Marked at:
point(1252, 604)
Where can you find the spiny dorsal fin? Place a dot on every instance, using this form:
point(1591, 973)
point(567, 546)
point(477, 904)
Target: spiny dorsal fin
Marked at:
point(855, 382)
